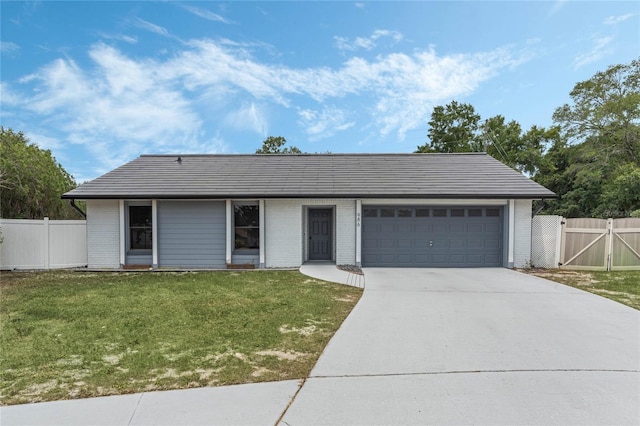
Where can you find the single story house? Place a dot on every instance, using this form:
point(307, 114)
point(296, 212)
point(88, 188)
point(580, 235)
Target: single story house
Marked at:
point(273, 211)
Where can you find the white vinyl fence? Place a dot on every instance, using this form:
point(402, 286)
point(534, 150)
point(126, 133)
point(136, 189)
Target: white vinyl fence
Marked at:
point(43, 244)
point(546, 237)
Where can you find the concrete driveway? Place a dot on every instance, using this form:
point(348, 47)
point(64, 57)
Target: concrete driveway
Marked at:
point(476, 346)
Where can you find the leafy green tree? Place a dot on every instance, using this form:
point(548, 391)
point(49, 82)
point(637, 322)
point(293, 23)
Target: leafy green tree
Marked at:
point(275, 145)
point(606, 107)
point(621, 195)
point(457, 127)
point(506, 142)
point(453, 128)
point(595, 171)
point(31, 181)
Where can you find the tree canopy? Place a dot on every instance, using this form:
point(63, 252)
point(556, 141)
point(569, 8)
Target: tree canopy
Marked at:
point(457, 127)
point(590, 156)
point(31, 180)
point(596, 169)
point(276, 145)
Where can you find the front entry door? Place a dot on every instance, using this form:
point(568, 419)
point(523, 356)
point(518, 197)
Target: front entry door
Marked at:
point(320, 234)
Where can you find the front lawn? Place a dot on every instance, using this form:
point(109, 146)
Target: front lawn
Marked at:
point(74, 335)
point(621, 286)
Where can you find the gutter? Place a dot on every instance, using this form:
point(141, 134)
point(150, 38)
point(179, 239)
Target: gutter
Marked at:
point(542, 205)
point(78, 209)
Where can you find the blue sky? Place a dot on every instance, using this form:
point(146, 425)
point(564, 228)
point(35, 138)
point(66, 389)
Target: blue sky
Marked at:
point(99, 83)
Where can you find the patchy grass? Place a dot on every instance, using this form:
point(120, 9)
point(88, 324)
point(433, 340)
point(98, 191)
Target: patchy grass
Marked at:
point(621, 286)
point(72, 335)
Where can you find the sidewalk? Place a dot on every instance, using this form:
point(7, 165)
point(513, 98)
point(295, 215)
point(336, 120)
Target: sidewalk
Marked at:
point(250, 404)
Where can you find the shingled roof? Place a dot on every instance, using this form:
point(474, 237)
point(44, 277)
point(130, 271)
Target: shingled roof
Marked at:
point(468, 175)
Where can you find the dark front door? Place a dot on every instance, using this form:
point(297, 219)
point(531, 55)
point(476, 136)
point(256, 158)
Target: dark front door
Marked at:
point(320, 234)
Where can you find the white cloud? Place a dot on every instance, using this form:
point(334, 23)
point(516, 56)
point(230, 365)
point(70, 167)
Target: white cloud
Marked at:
point(248, 117)
point(325, 123)
point(121, 106)
point(366, 43)
point(614, 20)
point(119, 37)
point(206, 14)
point(556, 7)
point(9, 97)
point(118, 110)
point(146, 25)
point(598, 51)
point(44, 142)
point(8, 47)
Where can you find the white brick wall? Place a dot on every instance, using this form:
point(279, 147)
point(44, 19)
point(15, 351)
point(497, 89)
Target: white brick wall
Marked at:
point(286, 233)
point(283, 233)
point(103, 234)
point(522, 242)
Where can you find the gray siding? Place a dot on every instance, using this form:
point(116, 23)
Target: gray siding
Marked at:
point(191, 234)
point(239, 259)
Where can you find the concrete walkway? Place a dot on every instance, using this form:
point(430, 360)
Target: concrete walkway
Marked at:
point(329, 272)
point(251, 404)
point(423, 346)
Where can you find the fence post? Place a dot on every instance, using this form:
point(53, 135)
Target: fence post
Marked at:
point(609, 244)
point(558, 240)
point(563, 237)
point(45, 243)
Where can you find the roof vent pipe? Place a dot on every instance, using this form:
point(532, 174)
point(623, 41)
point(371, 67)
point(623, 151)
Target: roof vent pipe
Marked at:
point(179, 160)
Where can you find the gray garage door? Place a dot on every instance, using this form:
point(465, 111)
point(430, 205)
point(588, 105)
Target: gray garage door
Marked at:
point(400, 236)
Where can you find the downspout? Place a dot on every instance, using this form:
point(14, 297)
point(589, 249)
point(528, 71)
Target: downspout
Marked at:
point(542, 205)
point(78, 209)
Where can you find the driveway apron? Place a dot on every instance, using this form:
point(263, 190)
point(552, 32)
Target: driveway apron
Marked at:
point(476, 346)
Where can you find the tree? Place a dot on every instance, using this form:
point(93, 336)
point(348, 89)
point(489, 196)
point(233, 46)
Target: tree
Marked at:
point(621, 195)
point(31, 180)
point(456, 128)
point(595, 172)
point(453, 128)
point(275, 145)
point(606, 107)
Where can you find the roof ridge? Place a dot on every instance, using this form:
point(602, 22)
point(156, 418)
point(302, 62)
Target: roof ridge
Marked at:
point(321, 154)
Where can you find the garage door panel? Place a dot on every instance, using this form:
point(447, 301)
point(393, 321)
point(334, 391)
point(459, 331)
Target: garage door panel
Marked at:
point(455, 237)
point(492, 259)
point(457, 227)
point(475, 259)
point(475, 244)
point(383, 244)
point(405, 227)
point(439, 228)
point(421, 228)
point(475, 227)
point(404, 243)
point(492, 244)
point(492, 228)
point(453, 244)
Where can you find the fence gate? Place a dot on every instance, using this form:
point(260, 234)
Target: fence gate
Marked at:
point(625, 244)
point(600, 244)
point(585, 244)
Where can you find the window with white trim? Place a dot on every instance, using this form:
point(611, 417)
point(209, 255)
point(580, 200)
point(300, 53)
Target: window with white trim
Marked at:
point(246, 223)
point(140, 228)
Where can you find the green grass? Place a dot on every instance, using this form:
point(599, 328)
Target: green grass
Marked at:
point(621, 286)
point(72, 335)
